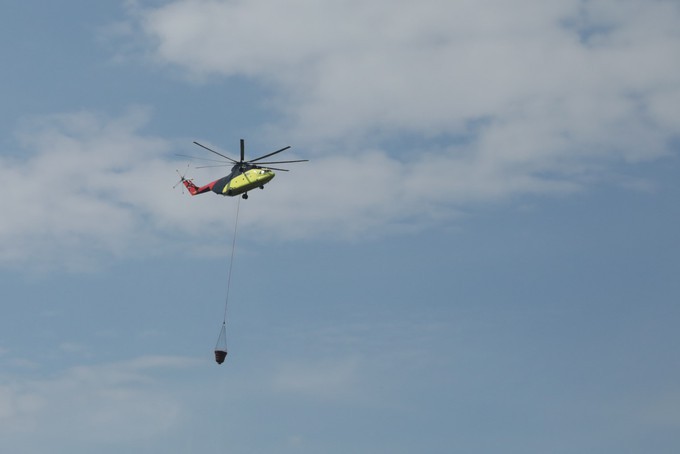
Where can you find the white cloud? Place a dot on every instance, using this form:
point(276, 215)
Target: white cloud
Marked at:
point(588, 71)
point(88, 184)
point(493, 99)
point(662, 410)
point(117, 402)
point(325, 379)
point(72, 191)
point(409, 112)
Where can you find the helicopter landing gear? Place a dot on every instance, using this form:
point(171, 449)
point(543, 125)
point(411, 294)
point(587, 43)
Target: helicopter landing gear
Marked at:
point(261, 187)
point(245, 196)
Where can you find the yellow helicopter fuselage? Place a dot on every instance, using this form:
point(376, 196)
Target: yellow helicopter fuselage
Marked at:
point(250, 179)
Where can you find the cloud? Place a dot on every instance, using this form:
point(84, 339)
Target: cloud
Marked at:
point(110, 403)
point(551, 79)
point(73, 186)
point(662, 410)
point(411, 113)
point(324, 379)
point(86, 185)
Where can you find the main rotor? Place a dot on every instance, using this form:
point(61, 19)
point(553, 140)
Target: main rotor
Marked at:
point(243, 165)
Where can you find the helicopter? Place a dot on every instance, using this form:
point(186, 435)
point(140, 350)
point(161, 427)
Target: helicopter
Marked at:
point(244, 176)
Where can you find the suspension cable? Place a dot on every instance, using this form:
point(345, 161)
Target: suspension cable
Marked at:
point(231, 262)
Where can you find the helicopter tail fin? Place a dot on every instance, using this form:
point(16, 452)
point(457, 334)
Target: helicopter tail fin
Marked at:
point(192, 188)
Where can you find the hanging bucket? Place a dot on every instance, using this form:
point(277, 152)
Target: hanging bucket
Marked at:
point(220, 355)
point(221, 347)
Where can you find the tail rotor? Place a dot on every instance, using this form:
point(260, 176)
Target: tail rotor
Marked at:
point(182, 178)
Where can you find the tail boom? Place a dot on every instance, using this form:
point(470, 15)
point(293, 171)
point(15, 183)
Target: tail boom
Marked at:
point(194, 190)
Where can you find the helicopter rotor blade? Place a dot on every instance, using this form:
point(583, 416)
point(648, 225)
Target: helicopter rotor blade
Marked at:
point(243, 150)
point(218, 165)
point(200, 159)
point(181, 177)
point(213, 151)
point(283, 162)
point(274, 168)
point(270, 154)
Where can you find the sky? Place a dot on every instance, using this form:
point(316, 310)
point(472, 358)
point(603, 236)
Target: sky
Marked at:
point(481, 255)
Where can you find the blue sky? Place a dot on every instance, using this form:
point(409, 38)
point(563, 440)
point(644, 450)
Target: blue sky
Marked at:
point(481, 255)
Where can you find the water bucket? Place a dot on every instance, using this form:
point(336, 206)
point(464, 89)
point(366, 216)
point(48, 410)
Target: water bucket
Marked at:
point(220, 355)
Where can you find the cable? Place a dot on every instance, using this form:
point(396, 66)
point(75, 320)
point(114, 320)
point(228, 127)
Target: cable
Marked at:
point(231, 261)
